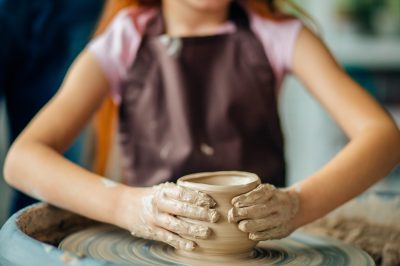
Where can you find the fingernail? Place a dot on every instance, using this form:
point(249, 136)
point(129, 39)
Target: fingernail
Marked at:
point(243, 226)
point(205, 232)
point(203, 201)
point(200, 231)
point(252, 236)
point(242, 212)
point(238, 201)
point(237, 204)
point(231, 217)
point(213, 216)
point(234, 201)
point(189, 246)
point(212, 203)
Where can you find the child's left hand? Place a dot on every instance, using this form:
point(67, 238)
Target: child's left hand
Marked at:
point(265, 212)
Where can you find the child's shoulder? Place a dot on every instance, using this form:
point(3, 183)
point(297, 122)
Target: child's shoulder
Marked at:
point(278, 37)
point(277, 27)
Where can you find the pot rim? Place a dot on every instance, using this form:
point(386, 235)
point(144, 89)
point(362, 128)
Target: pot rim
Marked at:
point(185, 181)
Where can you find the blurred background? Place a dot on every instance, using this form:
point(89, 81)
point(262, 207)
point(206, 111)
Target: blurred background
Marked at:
point(364, 36)
point(39, 41)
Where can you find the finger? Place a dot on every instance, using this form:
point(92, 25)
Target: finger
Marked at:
point(274, 233)
point(186, 210)
point(253, 212)
point(251, 226)
point(180, 227)
point(259, 195)
point(187, 195)
point(160, 234)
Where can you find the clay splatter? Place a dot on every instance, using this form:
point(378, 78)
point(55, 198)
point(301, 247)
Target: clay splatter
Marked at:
point(69, 259)
point(297, 188)
point(47, 248)
point(108, 183)
point(207, 149)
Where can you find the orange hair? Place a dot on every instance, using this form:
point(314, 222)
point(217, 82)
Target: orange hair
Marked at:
point(272, 9)
point(106, 117)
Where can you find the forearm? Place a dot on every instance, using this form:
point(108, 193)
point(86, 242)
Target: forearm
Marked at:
point(43, 173)
point(366, 159)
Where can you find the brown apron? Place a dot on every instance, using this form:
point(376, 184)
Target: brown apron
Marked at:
point(197, 104)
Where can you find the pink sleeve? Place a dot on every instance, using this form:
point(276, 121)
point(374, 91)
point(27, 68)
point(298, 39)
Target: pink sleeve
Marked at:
point(116, 50)
point(278, 40)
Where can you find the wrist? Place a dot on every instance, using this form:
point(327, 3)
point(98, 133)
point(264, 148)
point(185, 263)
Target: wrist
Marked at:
point(299, 218)
point(312, 202)
point(128, 205)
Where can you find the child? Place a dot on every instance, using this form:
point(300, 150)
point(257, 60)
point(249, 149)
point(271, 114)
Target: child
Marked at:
point(196, 84)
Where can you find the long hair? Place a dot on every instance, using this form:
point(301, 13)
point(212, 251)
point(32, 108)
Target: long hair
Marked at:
point(106, 118)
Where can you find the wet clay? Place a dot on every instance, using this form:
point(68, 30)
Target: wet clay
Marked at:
point(381, 242)
point(370, 222)
point(88, 243)
point(49, 224)
point(118, 246)
point(226, 239)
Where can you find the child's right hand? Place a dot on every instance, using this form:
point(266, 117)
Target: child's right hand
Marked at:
point(157, 217)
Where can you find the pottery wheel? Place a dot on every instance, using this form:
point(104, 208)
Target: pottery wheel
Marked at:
point(118, 246)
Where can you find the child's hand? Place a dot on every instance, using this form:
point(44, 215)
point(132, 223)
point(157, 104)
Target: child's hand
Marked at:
point(159, 210)
point(265, 212)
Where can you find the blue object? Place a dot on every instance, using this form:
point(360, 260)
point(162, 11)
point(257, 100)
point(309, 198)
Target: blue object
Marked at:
point(19, 249)
point(40, 39)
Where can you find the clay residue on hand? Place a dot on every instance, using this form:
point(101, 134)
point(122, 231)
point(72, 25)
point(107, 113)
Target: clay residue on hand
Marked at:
point(108, 183)
point(183, 194)
point(265, 212)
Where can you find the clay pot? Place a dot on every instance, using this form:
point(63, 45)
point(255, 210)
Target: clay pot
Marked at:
point(226, 238)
